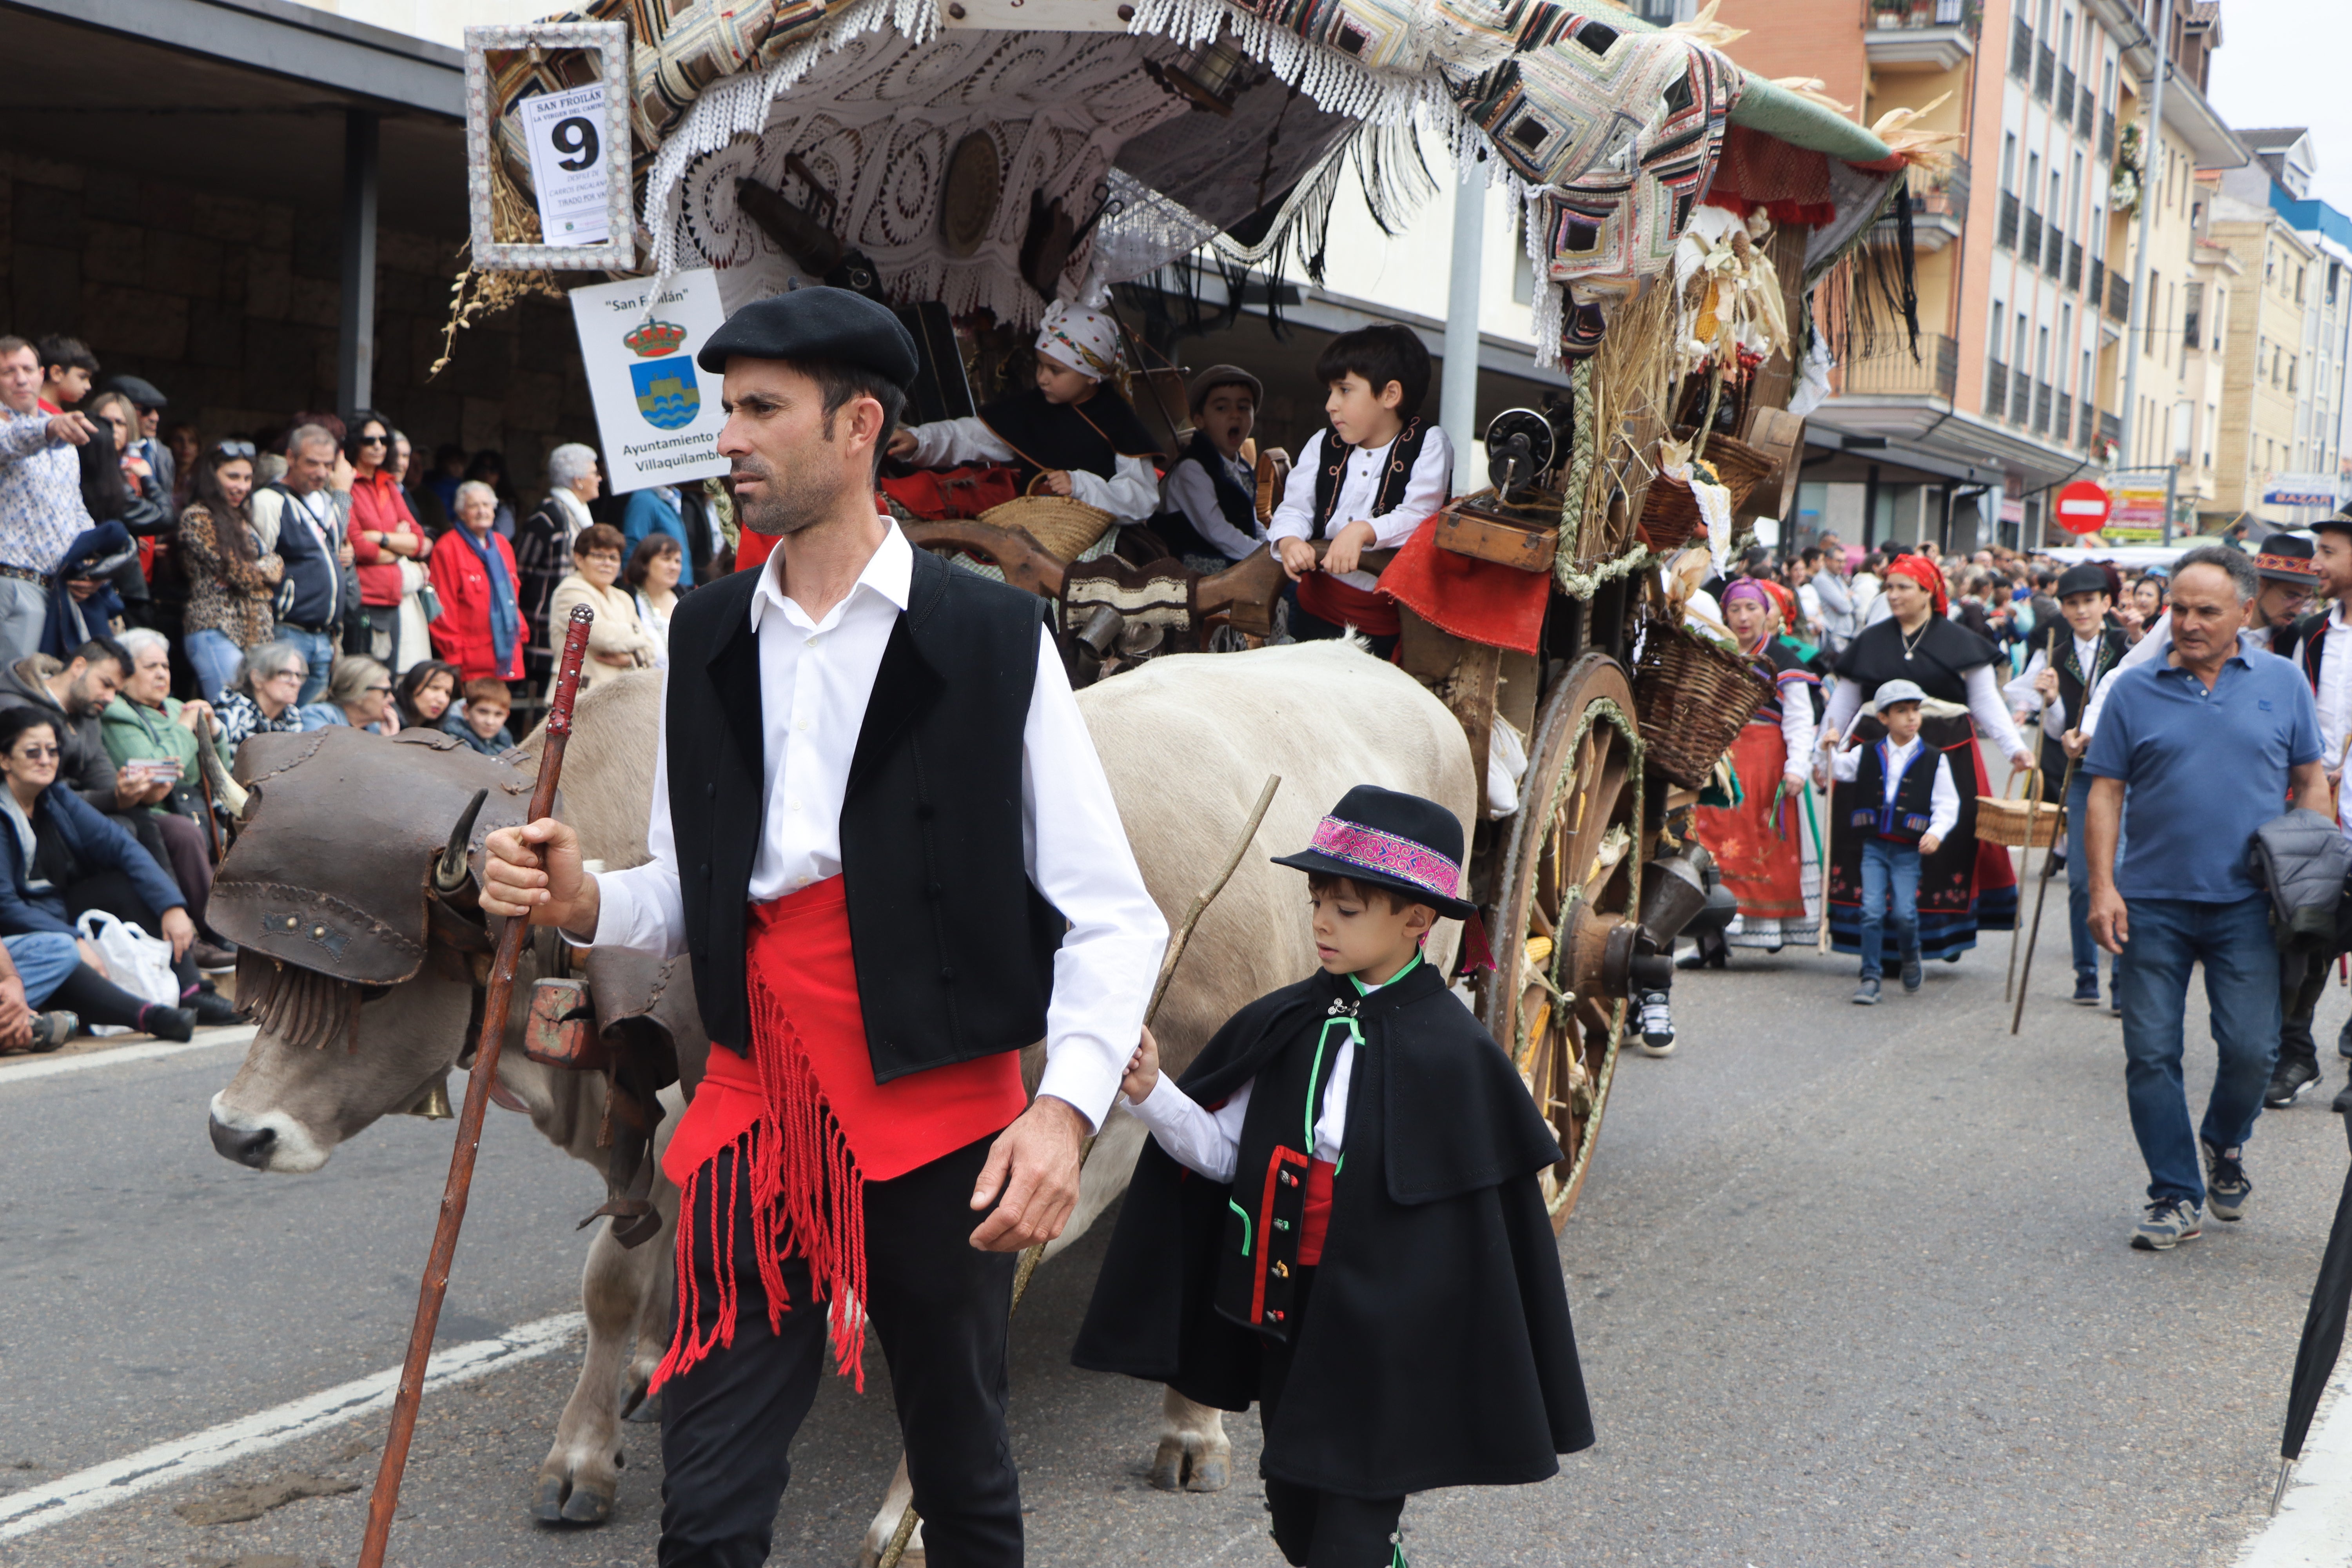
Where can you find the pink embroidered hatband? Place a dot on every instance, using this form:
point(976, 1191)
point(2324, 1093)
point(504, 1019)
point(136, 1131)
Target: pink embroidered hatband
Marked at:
point(1391, 856)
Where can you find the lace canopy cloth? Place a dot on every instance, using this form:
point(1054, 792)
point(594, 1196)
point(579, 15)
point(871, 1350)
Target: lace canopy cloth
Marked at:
point(936, 147)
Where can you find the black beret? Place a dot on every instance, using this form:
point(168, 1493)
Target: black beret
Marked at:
point(140, 391)
point(816, 323)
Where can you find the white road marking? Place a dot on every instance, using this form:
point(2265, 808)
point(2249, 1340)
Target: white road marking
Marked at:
point(102, 1486)
point(2314, 1527)
point(148, 1051)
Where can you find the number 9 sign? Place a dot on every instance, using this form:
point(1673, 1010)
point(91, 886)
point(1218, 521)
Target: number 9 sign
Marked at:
point(567, 165)
point(576, 136)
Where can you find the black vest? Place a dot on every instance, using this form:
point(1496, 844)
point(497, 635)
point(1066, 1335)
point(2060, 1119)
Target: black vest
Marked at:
point(2075, 685)
point(954, 947)
point(1387, 496)
point(1906, 821)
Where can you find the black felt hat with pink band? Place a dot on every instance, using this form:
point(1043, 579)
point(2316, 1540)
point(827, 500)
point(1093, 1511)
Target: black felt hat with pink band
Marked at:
point(1386, 838)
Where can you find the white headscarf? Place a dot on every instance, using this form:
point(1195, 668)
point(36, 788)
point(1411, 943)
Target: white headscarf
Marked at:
point(1085, 339)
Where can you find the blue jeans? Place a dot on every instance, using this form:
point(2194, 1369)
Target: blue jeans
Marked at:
point(43, 959)
point(317, 650)
point(2242, 991)
point(1890, 877)
point(215, 659)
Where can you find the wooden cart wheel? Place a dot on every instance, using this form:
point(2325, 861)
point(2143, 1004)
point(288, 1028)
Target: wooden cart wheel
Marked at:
point(1575, 838)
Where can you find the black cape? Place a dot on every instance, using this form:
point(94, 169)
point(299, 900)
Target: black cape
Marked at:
point(1091, 436)
point(1941, 657)
point(1437, 1349)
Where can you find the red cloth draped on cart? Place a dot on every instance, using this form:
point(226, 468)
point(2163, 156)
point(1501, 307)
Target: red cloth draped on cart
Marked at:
point(803, 1108)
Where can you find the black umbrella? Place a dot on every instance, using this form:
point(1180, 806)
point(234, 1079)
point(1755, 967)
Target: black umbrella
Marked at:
point(2322, 1334)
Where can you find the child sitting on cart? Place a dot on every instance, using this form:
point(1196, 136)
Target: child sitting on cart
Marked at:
point(1905, 801)
point(1366, 483)
point(1401, 1329)
point(1210, 514)
point(1069, 435)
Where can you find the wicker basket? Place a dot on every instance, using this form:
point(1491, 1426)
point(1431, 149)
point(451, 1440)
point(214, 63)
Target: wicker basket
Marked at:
point(1064, 527)
point(2002, 820)
point(1669, 513)
point(1693, 697)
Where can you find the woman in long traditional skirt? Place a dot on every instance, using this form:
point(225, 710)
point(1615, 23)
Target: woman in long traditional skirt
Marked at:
point(1965, 886)
point(1759, 844)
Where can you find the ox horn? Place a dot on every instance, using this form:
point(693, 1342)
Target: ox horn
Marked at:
point(449, 872)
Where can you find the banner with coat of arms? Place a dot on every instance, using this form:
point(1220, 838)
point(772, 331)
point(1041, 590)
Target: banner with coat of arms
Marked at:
point(657, 415)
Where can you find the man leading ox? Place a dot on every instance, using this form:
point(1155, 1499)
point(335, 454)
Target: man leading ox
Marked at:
point(880, 830)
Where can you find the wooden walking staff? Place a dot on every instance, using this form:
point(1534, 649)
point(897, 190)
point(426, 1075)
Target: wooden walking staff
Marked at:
point(385, 1500)
point(894, 1554)
point(2033, 799)
point(2041, 894)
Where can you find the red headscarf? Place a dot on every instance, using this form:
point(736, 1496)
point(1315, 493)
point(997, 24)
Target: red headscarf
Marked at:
point(1786, 601)
point(1922, 571)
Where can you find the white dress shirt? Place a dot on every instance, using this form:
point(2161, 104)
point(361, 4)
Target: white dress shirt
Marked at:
point(2157, 643)
point(2025, 700)
point(815, 680)
point(1944, 801)
point(2335, 693)
point(1993, 716)
point(1192, 490)
point(1424, 492)
point(1209, 1141)
point(1130, 494)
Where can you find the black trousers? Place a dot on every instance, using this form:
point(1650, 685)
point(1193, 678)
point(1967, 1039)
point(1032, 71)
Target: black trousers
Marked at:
point(939, 1307)
point(1319, 1529)
point(2302, 981)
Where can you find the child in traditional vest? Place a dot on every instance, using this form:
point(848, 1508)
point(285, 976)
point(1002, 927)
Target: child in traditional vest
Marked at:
point(1070, 434)
point(1366, 483)
point(1903, 796)
point(1209, 514)
point(1338, 1217)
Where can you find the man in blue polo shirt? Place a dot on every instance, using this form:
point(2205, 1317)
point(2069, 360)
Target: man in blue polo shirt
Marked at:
point(2189, 759)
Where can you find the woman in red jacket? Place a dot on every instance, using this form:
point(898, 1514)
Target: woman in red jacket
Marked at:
point(384, 534)
point(480, 628)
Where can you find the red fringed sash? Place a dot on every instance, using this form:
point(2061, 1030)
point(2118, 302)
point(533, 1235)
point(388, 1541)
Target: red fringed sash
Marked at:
point(805, 1110)
point(1345, 605)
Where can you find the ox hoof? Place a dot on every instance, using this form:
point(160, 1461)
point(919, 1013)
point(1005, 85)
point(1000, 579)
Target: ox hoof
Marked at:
point(558, 1503)
point(1209, 1473)
point(1175, 1469)
point(642, 1410)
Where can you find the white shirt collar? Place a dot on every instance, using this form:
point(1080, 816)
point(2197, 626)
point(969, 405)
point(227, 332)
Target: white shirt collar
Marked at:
point(889, 573)
point(2335, 621)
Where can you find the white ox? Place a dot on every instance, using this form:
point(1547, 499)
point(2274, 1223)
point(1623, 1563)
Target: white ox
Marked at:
point(1187, 742)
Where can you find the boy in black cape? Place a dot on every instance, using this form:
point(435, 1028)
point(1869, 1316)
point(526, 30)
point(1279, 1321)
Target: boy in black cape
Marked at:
point(1401, 1328)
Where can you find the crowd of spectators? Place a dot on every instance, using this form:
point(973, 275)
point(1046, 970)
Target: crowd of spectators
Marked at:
point(168, 591)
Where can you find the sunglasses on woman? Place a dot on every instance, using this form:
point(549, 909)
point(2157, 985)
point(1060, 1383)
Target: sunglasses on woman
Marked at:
point(233, 449)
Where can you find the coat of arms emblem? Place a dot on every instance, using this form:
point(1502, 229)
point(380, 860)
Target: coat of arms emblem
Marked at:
point(667, 395)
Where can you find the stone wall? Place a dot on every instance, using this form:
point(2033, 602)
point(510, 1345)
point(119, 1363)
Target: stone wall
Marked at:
point(230, 306)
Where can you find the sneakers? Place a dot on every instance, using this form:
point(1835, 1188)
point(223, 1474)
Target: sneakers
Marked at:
point(2288, 1081)
point(52, 1030)
point(1866, 994)
point(1657, 1023)
point(1700, 958)
point(2086, 990)
point(1915, 974)
point(2226, 1185)
point(2166, 1223)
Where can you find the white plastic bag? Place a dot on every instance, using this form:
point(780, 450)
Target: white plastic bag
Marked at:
point(1507, 764)
point(140, 963)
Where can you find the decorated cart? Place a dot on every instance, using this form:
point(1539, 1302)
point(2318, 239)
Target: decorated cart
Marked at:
point(970, 161)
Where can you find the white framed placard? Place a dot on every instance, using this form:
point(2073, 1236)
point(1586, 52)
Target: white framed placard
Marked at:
point(576, 138)
point(657, 415)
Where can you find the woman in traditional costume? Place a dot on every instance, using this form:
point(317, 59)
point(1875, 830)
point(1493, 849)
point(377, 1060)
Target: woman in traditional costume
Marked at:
point(1758, 844)
point(1964, 885)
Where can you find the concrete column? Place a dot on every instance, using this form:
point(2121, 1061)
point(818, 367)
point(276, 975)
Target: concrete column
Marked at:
point(1457, 403)
point(355, 358)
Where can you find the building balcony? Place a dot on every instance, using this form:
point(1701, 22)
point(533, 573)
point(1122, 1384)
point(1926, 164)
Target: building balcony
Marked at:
point(2042, 408)
point(2096, 284)
point(1995, 397)
point(2020, 397)
point(2053, 253)
point(2063, 421)
point(2118, 295)
point(2090, 435)
point(1939, 206)
point(2021, 50)
point(2107, 137)
point(2029, 249)
point(2065, 105)
point(2045, 72)
point(2005, 236)
point(1895, 373)
point(2111, 432)
point(1920, 35)
point(2088, 124)
point(2073, 265)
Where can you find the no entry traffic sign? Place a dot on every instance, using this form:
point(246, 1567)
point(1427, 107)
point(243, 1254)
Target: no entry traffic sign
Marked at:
point(2082, 507)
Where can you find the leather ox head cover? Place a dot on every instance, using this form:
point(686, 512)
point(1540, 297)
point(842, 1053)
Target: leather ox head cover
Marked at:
point(334, 867)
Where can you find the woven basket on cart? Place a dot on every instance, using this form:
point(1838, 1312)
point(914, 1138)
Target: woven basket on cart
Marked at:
point(1692, 697)
point(1064, 527)
point(2003, 821)
point(1669, 513)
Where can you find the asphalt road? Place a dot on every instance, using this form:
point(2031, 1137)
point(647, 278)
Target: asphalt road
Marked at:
point(1851, 1285)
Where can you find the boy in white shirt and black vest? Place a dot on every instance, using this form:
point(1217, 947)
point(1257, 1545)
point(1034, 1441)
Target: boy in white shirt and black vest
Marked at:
point(1906, 803)
point(1401, 1329)
point(1209, 501)
point(1379, 472)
